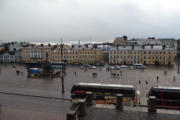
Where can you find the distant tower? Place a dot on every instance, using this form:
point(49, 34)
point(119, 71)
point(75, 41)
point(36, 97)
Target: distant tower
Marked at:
point(79, 42)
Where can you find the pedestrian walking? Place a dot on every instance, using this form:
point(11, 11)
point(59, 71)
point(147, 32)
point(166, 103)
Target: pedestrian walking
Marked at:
point(157, 78)
point(174, 78)
point(146, 82)
point(139, 82)
point(165, 72)
point(75, 73)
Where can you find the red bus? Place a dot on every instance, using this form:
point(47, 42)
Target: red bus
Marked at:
point(166, 97)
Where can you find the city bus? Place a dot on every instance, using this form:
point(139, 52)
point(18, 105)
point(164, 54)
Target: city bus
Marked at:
point(166, 97)
point(105, 93)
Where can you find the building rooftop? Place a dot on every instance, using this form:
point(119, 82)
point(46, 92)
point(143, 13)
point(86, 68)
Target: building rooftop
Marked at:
point(138, 47)
point(37, 47)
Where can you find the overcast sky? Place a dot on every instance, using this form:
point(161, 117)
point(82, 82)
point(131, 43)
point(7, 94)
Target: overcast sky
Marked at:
point(88, 20)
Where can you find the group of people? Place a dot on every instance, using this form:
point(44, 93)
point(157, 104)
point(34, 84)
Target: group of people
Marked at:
point(18, 72)
point(116, 74)
point(145, 82)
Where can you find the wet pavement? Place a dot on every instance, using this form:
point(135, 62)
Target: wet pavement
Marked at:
point(48, 108)
point(129, 114)
point(11, 82)
point(15, 107)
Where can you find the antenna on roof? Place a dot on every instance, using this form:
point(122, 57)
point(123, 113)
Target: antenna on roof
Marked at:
point(61, 40)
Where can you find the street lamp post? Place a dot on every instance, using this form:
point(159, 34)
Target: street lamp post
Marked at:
point(178, 67)
point(62, 68)
point(177, 61)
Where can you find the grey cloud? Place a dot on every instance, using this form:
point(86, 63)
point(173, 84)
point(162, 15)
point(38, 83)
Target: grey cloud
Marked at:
point(100, 20)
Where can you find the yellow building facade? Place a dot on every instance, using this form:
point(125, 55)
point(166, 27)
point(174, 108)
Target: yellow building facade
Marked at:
point(70, 55)
point(35, 54)
point(137, 55)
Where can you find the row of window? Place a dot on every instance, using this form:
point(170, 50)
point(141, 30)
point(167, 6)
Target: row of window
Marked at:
point(156, 57)
point(137, 57)
point(64, 56)
point(124, 62)
point(125, 57)
point(156, 52)
point(75, 57)
point(129, 52)
point(72, 53)
point(7, 57)
point(135, 52)
point(134, 62)
point(58, 61)
point(87, 57)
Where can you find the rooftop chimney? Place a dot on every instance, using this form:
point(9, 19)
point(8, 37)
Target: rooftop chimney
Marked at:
point(132, 47)
point(125, 37)
point(164, 47)
point(117, 47)
point(143, 46)
point(151, 38)
point(152, 46)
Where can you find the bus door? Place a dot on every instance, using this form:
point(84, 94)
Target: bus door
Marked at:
point(162, 98)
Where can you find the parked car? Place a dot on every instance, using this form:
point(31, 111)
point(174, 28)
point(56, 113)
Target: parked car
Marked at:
point(112, 68)
point(117, 67)
point(87, 65)
point(131, 68)
point(124, 66)
point(82, 67)
point(92, 67)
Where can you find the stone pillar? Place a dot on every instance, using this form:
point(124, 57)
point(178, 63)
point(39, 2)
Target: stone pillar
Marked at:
point(71, 115)
point(152, 104)
point(89, 98)
point(119, 105)
point(82, 108)
point(28, 72)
